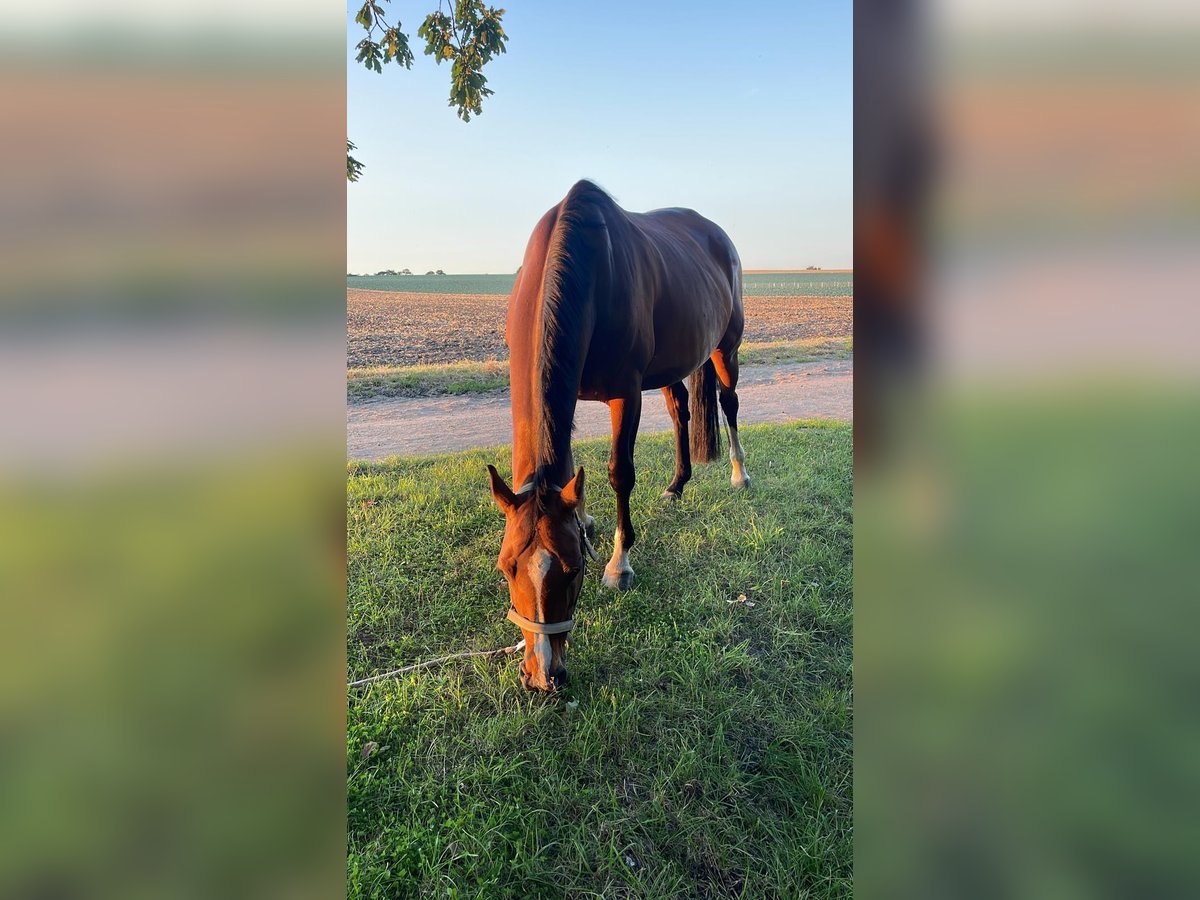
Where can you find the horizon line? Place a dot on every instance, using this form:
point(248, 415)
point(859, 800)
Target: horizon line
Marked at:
point(831, 271)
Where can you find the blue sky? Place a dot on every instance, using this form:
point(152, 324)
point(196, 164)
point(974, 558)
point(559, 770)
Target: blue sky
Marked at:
point(739, 111)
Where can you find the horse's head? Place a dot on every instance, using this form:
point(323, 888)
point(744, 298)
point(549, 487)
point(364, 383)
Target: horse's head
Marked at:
point(542, 558)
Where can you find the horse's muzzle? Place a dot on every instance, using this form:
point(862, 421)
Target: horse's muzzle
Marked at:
point(548, 685)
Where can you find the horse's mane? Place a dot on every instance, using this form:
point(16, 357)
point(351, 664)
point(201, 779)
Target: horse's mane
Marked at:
point(568, 280)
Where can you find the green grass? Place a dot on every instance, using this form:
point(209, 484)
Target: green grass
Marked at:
point(777, 353)
point(700, 748)
point(766, 284)
point(467, 377)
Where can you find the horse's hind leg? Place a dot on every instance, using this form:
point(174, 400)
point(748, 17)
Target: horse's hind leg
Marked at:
point(677, 405)
point(726, 364)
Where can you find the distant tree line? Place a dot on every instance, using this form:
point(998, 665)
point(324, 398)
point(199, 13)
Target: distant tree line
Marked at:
point(389, 272)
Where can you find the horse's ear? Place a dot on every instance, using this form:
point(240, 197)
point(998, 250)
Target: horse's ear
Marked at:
point(501, 493)
point(572, 494)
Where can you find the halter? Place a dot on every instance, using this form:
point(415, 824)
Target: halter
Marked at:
point(589, 552)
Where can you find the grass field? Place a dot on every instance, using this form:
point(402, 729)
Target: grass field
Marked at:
point(777, 353)
point(472, 377)
point(466, 377)
point(769, 283)
point(701, 748)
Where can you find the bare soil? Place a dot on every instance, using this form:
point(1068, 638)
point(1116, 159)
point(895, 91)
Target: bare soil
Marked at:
point(401, 329)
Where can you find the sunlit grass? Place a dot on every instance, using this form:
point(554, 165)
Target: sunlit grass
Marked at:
point(775, 353)
point(469, 377)
point(702, 747)
point(466, 377)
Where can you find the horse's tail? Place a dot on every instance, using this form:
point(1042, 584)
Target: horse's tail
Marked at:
point(706, 429)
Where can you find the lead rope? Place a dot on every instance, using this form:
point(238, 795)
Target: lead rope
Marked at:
point(519, 645)
point(503, 651)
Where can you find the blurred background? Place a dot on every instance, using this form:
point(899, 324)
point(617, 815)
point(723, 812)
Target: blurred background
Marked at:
point(1027, 223)
point(172, 462)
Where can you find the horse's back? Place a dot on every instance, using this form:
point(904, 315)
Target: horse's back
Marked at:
point(698, 302)
point(663, 290)
point(705, 232)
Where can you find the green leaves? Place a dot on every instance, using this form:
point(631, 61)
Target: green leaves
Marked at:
point(395, 48)
point(438, 31)
point(366, 17)
point(370, 54)
point(469, 38)
point(353, 166)
point(392, 45)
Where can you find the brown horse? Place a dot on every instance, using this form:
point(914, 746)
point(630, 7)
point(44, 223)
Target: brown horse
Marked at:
point(607, 304)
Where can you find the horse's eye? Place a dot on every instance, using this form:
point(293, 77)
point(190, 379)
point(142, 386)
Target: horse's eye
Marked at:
point(572, 571)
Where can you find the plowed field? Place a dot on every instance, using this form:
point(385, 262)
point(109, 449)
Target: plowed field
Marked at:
point(403, 329)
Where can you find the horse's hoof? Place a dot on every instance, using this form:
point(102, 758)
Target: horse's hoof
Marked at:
point(669, 494)
point(618, 581)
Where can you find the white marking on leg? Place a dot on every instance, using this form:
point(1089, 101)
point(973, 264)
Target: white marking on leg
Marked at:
point(737, 458)
point(619, 564)
point(618, 561)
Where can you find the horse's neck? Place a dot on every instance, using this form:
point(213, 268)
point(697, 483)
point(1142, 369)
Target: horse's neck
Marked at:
point(558, 336)
point(557, 466)
point(528, 403)
point(555, 463)
point(524, 428)
point(543, 416)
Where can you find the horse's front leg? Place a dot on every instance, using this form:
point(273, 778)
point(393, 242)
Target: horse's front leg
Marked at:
point(626, 413)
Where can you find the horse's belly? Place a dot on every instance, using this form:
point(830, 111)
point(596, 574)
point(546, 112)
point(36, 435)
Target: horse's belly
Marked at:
point(685, 328)
point(652, 381)
point(683, 351)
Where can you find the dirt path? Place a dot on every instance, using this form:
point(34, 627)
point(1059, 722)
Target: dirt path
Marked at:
point(412, 426)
